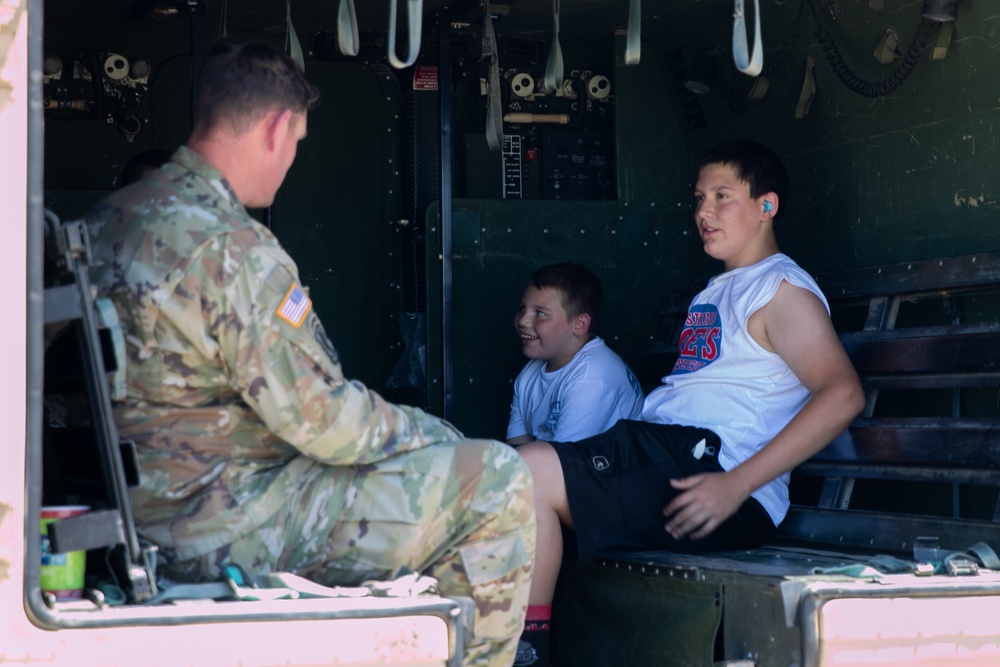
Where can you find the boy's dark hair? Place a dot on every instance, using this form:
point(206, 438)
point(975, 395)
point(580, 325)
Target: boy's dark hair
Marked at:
point(755, 164)
point(580, 289)
point(142, 164)
point(241, 82)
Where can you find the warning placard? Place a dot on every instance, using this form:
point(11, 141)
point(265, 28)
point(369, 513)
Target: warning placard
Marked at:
point(425, 77)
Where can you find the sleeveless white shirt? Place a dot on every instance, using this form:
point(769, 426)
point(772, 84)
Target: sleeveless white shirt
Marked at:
point(725, 381)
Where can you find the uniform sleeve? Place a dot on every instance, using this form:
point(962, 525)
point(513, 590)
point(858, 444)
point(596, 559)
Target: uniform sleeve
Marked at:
point(281, 361)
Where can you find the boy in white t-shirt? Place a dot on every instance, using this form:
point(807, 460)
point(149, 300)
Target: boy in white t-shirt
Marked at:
point(574, 386)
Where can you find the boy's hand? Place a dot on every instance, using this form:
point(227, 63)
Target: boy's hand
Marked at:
point(706, 501)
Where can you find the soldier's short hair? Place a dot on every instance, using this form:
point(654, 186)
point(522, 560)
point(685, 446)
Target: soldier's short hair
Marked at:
point(580, 290)
point(243, 81)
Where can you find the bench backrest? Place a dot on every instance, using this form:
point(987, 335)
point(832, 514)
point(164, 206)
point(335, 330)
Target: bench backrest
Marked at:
point(926, 342)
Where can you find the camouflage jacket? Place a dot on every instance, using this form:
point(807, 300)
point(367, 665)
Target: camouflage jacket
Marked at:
point(235, 393)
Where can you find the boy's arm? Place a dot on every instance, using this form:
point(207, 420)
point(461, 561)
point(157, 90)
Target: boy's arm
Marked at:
point(517, 426)
point(796, 326)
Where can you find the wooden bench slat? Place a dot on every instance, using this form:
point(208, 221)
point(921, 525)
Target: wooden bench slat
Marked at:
point(928, 441)
point(931, 276)
point(973, 380)
point(900, 472)
point(949, 354)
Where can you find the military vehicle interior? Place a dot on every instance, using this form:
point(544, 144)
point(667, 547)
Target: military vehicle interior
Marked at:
point(886, 118)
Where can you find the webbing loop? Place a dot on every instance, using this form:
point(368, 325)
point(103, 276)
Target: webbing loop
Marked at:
point(494, 113)
point(347, 28)
point(414, 9)
point(749, 64)
point(553, 77)
point(292, 40)
point(632, 44)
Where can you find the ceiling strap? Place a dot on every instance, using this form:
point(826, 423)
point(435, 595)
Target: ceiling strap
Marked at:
point(494, 113)
point(292, 40)
point(553, 78)
point(749, 64)
point(347, 28)
point(414, 10)
point(632, 45)
point(808, 90)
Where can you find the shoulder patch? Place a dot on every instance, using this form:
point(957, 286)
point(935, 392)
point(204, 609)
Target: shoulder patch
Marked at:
point(294, 307)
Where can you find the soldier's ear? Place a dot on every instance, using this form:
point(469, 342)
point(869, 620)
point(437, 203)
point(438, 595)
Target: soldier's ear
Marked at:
point(276, 126)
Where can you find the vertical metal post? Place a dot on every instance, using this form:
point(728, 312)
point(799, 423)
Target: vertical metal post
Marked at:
point(196, 8)
point(444, 101)
point(34, 352)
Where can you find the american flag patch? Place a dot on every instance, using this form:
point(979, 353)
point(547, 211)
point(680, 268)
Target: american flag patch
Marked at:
point(294, 307)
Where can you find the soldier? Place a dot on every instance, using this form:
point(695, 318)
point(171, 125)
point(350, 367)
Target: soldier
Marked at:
point(253, 447)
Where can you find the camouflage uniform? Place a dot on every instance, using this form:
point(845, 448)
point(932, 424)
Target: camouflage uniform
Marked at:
point(254, 448)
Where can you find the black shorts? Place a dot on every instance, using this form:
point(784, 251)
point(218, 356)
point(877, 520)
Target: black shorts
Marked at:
point(618, 483)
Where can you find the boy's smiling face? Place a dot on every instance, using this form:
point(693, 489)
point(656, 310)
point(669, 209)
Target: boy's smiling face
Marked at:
point(734, 226)
point(545, 330)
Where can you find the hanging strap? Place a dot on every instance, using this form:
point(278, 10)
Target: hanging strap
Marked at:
point(554, 66)
point(808, 90)
point(347, 28)
point(494, 114)
point(223, 30)
point(292, 40)
point(749, 64)
point(414, 10)
point(632, 45)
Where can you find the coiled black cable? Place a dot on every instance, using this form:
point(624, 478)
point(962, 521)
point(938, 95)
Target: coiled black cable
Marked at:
point(890, 83)
point(791, 41)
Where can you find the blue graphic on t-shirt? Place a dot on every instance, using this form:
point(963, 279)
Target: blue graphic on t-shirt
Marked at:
point(701, 339)
point(555, 407)
point(633, 381)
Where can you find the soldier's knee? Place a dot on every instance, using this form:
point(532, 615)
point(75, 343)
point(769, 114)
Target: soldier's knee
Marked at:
point(505, 486)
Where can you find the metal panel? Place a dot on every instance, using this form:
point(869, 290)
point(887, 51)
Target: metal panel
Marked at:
point(610, 616)
point(336, 215)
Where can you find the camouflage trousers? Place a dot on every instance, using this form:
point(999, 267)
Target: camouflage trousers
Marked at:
point(462, 513)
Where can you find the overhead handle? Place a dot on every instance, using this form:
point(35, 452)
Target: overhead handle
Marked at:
point(553, 78)
point(292, 44)
point(749, 63)
point(414, 10)
point(347, 28)
point(632, 42)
